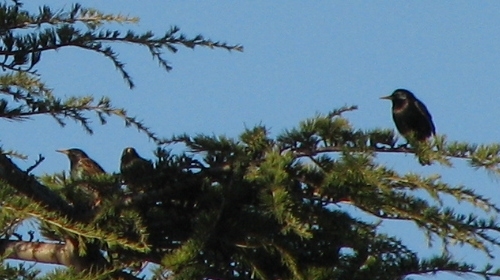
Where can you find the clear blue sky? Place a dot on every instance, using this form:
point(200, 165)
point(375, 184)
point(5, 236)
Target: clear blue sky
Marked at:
point(300, 58)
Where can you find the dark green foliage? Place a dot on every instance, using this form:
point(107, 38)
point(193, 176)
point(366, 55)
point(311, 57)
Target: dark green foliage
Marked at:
point(21, 271)
point(265, 208)
point(257, 207)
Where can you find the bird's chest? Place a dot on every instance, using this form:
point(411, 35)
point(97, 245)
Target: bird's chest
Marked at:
point(406, 118)
point(76, 172)
point(399, 107)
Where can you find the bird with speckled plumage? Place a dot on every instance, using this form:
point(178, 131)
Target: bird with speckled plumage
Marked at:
point(81, 164)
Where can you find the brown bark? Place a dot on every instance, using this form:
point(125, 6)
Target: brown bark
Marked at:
point(42, 252)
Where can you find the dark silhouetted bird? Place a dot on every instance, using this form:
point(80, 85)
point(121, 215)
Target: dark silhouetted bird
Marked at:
point(410, 115)
point(81, 165)
point(136, 171)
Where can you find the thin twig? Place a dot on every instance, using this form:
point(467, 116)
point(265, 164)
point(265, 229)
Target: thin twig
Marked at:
point(37, 162)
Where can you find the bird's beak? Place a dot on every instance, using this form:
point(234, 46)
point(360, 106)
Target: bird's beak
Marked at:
point(62, 151)
point(388, 97)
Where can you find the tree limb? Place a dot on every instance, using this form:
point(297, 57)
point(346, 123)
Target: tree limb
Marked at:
point(30, 187)
point(43, 252)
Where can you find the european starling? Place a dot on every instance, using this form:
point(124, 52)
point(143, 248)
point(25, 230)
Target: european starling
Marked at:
point(135, 170)
point(81, 165)
point(410, 115)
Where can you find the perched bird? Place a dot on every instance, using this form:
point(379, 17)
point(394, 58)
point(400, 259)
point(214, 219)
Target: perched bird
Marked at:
point(135, 170)
point(410, 115)
point(81, 165)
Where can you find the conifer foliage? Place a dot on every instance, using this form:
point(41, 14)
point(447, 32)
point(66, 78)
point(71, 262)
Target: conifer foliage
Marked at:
point(249, 207)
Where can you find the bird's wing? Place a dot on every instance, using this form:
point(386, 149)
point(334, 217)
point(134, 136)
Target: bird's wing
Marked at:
point(91, 167)
point(421, 107)
point(124, 163)
point(136, 165)
point(143, 165)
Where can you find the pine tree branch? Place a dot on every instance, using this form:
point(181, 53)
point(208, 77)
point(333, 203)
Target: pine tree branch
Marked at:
point(155, 44)
point(456, 271)
point(333, 133)
point(444, 224)
point(70, 228)
point(485, 275)
point(24, 52)
point(50, 252)
point(486, 156)
point(72, 108)
point(29, 186)
point(89, 17)
point(43, 252)
point(299, 152)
